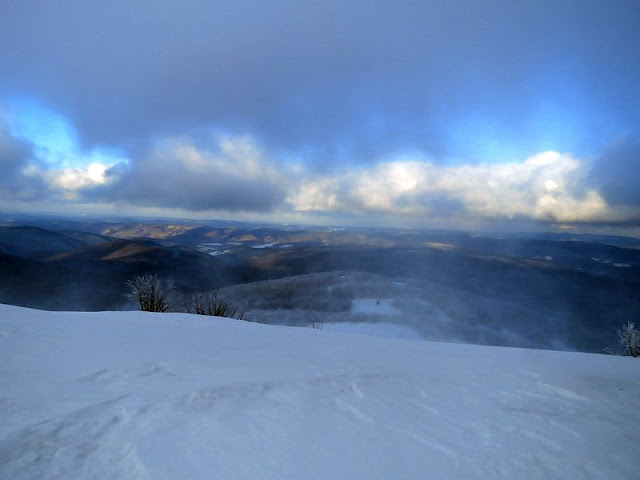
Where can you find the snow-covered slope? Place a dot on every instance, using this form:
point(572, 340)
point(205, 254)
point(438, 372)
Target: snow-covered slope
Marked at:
point(174, 396)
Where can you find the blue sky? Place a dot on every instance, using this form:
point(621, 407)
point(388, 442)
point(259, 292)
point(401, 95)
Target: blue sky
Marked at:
point(458, 113)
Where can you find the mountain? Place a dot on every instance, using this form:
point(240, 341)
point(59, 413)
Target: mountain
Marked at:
point(32, 242)
point(86, 238)
point(159, 396)
point(94, 276)
point(488, 299)
point(28, 282)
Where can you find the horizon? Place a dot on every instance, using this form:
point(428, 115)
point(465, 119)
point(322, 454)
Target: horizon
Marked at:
point(530, 229)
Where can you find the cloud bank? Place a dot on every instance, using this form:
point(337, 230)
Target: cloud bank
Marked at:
point(544, 187)
point(229, 174)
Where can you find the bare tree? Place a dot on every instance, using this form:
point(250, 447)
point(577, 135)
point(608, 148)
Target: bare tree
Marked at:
point(630, 339)
point(152, 293)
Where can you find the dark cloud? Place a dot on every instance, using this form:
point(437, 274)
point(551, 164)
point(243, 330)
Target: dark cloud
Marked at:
point(333, 79)
point(15, 157)
point(13, 154)
point(616, 173)
point(442, 205)
point(178, 175)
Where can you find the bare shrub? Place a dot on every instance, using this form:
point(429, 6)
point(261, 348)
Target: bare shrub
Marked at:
point(630, 339)
point(317, 323)
point(152, 293)
point(213, 305)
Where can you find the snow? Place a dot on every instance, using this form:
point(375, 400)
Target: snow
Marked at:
point(264, 245)
point(381, 329)
point(219, 252)
point(610, 262)
point(163, 396)
point(212, 248)
point(380, 306)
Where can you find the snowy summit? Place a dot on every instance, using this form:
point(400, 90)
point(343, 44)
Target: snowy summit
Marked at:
point(132, 395)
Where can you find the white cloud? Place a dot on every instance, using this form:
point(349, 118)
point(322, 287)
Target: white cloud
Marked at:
point(68, 182)
point(231, 174)
point(77, 178)
point(236, 156)
point(547, 186)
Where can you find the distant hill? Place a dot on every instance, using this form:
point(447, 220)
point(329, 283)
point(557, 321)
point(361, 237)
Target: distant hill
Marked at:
point(540, 301)
point(28, 282)
point(32, 242)
point(86, 238)
point(73, 275)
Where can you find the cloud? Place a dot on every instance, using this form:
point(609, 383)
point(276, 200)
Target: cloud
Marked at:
point(70, 181)
point(338, 81)
point(17, 166)
point(223, 173)
point(230, 175)
point(27, 175)
point(547, 187)
point(616, 173)
point(13, 153)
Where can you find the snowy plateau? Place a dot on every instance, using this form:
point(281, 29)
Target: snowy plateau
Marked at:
point(134, 395)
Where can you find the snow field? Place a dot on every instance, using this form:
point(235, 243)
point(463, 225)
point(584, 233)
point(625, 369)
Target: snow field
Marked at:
point(380, 306)
point(381, 329)
point(164, 396)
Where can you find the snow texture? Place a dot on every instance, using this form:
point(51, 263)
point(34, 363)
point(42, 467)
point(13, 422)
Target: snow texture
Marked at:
point(165, 396)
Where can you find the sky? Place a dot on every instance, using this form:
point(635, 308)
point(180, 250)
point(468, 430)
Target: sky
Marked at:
point(459, 113)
